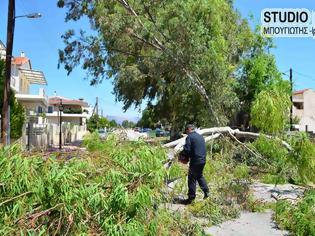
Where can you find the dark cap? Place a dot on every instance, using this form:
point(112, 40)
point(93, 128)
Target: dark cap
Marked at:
point(189, 126)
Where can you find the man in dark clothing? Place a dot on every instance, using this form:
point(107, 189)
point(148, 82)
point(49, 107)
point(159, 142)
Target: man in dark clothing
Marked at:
point(195, 148)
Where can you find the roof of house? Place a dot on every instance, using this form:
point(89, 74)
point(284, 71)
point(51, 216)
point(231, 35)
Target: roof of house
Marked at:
point(66, 101)
point(20, 60)
point(33, 76)
point(300, 91)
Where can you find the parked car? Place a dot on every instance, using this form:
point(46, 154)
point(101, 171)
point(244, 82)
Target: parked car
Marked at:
point(102, 133)
point(137, 129)
point(159, 132)
point(145, 130)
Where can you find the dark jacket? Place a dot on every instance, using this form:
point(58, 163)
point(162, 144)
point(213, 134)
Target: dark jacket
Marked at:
point(195, 148)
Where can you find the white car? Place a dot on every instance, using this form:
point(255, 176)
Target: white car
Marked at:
point(102, 133)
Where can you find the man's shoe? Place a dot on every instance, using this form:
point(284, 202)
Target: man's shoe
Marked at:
point(206, 195)
point(187, 201)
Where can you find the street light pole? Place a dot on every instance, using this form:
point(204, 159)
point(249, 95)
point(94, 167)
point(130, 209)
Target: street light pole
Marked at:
point(291, 98)
point(5, 115)
point(5, 118)
point(60, 124)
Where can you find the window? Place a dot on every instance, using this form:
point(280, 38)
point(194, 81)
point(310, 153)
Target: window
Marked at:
point(40, 109)
point(50, 109)
point(298, 105)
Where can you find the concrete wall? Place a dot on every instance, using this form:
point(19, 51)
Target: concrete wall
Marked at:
point(72, 120)
point(45, 136)
point(307, 114)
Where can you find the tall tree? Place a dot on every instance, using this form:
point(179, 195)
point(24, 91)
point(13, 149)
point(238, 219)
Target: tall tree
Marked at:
point(264, 95)
point(96, 122)
point(180, 54)
point(148, 118)
point(113, 124)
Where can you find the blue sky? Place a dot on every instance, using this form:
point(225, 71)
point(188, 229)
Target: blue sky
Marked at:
point(40, 39)
point(297, 53)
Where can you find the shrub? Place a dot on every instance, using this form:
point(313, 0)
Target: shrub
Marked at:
point(114, 191)
point(296, 166)
point(303, 158)
point(300, 218)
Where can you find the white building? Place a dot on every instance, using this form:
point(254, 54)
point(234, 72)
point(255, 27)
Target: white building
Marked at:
point(304, 109)
point(2, 51)
point(22, 78)
point(74, 111)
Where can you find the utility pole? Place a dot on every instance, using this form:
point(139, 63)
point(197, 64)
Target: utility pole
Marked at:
point(5, 119)
point(96, 105)
point(291, 97)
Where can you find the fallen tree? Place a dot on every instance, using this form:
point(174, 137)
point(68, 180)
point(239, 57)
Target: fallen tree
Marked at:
point(216, 132)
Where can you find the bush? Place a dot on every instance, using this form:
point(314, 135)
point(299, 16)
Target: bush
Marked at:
point(303, 158)
point(300, 218)
point(296, 166)
point(114, 191)
point(17, 110)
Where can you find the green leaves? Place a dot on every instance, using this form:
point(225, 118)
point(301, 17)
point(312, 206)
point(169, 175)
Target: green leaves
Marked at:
point(17, 110)
point(112, 189)
point(173, 53)
point(270, 110)
point(299, 218)
point(303, 158)
point(97, 122)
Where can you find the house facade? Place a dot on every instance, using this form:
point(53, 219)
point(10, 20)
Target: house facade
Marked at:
point(43, 129)
point(2, 51)
point(304, 109)
point(22, 78)
point(75, 111)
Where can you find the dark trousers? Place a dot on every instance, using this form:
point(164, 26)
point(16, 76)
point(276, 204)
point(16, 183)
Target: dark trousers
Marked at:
point(195, 174)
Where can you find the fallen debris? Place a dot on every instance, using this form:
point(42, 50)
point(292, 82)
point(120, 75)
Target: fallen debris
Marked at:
point(272, 193)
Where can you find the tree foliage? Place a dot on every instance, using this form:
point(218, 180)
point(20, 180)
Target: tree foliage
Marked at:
point(263, 93)
point(179, 55)
point(17, 117)
point(112, 190)
point(270, 111)
point(148, 118)
point(128, 124)
point(258, 71)
point(97, 122)
point(113, 124)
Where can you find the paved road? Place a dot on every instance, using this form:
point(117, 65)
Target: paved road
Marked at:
point(253, 224)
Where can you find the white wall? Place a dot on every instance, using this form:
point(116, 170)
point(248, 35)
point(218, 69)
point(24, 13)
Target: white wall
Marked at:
point(49, 137)
point(307, 115)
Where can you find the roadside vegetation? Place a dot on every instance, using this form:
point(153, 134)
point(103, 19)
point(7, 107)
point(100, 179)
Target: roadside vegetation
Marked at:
point(115, 189)
point(192, 62)
point(118, 188)
point(232, 168)
point(299, 218)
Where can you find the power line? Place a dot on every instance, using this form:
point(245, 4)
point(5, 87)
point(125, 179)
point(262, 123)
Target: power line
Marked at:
point(303, 75)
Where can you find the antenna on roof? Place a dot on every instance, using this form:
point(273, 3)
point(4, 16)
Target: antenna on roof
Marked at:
point(55, 94)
